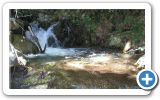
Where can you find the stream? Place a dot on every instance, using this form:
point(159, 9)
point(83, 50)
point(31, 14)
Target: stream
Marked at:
point(73, 68)
point(85, 71)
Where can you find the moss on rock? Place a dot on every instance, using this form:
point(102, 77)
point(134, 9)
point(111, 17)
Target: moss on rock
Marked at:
point(23, 45)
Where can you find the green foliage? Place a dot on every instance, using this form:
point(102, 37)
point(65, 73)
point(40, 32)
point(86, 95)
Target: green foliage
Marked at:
point(89, 24)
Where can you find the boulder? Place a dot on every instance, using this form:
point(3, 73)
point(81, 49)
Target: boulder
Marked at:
point(141, 62)
point(23, 45)
point(14, 58)
point(116, 41)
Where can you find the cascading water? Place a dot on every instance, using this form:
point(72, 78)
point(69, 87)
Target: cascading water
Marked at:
point(53, 49)
point(43, 35)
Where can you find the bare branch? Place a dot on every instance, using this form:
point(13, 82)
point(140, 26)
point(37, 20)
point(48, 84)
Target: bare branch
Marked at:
point(16, 15)
point(35, 38)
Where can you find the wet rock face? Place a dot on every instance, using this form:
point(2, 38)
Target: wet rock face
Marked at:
point(23, 45)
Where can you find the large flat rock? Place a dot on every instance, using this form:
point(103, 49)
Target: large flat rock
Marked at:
point(100, 64)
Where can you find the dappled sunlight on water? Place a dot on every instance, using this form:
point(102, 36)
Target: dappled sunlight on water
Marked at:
point(83, 71)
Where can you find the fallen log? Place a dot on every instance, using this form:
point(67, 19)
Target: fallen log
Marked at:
point(36, 40)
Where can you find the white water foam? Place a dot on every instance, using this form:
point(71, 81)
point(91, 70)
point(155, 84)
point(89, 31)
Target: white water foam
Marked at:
point(43, 35)
point(35, 55)
point(60, 51)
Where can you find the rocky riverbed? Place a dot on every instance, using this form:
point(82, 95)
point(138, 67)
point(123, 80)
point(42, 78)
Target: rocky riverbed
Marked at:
point(85, 71)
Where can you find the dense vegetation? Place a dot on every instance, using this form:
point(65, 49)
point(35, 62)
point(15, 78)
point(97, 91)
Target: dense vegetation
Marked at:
point(89, 28)
point(89, 51)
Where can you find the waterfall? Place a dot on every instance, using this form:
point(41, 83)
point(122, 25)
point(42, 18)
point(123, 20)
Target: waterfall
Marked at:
point(52, 49)
point(43, 35)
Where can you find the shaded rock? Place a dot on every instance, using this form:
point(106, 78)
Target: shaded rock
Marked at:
point(14, 58)
point(20, 70)
point(15, 24)
point(141, 62)
point(115, 41)
point(23, 45)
